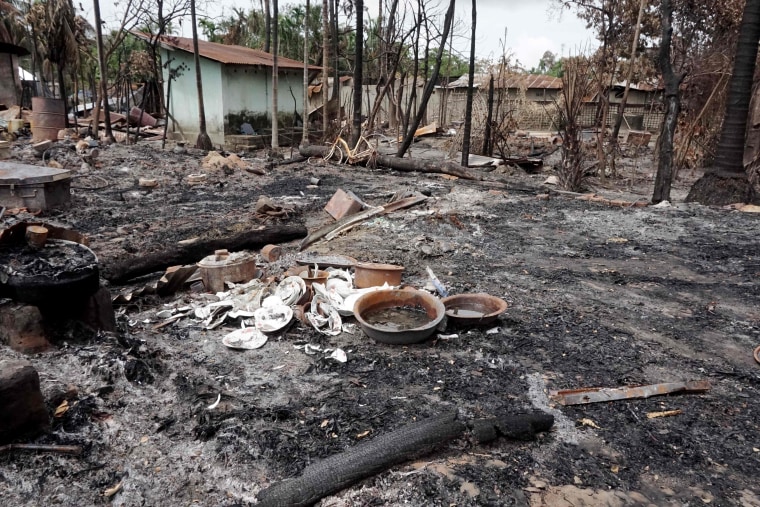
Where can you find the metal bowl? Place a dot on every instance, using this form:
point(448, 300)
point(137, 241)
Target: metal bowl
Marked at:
point(429, 306)
point(473, 309)
point(369, 274)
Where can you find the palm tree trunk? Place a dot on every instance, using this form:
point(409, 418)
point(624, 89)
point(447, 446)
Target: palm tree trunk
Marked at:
point(204, 141)
point(358, 73)
point(726, 182)
point(470, 93)
point(268, 26)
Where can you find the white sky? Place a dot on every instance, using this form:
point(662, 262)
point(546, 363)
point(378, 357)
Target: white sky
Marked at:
point(532, 26)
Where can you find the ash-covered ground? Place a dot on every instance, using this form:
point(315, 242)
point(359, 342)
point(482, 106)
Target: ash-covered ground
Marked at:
point(599, 296)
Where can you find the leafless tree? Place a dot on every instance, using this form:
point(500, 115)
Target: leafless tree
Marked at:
point(430, 85)
point(470, 91)
point(305, 135)
point(358, 73)
point(325, 65)
point(672, 81)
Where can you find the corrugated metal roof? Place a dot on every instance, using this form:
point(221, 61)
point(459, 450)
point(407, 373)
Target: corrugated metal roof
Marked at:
point(530, 81)
point(526, 81)
point(232, 55)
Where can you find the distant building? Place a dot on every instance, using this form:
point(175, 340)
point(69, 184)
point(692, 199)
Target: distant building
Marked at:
point(237, 86)
point(534, 96)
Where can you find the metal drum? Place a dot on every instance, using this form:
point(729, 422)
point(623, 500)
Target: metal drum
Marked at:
point(48, 117)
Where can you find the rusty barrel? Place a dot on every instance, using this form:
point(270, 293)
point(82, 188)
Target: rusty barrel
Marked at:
point(48, 117)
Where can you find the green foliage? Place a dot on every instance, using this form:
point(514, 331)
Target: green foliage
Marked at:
point(453, 65)
point(209, 30)
point(248, 28)
point(549, 65)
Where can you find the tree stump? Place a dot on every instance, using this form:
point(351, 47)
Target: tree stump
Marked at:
point(22, 409)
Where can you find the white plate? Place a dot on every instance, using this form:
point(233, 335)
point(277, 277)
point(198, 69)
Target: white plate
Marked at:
point(271, 319)
point(247, 338)
point(291, 289)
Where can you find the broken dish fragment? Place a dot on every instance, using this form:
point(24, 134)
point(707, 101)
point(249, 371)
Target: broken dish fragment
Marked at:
point(247, 338)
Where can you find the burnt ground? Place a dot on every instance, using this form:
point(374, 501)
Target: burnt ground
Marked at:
point(598, 295)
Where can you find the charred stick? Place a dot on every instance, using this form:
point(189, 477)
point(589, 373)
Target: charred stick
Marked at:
point(63, 449)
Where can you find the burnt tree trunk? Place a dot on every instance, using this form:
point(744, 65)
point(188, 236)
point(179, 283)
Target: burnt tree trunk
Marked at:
point(487, 141)
point(430, 85)
point(370, 457)
point(204, 141)
point(726, 181)
point(626, 91)
point(334, 40)
point(470, 94)
point(403, 164)
point(664, 176)
point(102, 66)
point(305, 111)
point(267, 26)
point(124, 268)
point(275, 74)
point(325, 68)
point(358, 74)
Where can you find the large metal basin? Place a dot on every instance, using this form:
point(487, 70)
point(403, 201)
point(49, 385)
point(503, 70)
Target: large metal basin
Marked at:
point(430, 307)
point(473, 309)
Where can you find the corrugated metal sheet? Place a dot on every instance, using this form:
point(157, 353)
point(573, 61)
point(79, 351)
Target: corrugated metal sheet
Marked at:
point(515, 81)
point(537, 82)
point(530, 81)
point(231, 55)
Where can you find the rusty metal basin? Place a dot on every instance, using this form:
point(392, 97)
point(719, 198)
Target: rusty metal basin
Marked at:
point(473, 309)
point(385, 315)
point(369, 274)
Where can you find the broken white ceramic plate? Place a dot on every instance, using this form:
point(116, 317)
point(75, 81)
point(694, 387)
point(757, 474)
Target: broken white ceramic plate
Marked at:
point(272, 302)
point(290, 290)
point(247, 338)
point(347, 308)
point(338, 355)
point(234, 314)
point(270, 319)
point(205, 312)
point(340, 281)
point(323, 315)
point(331, 296)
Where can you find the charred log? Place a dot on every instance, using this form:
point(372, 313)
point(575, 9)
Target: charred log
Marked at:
point(404, 164)
point(128, 267)
point(369, 458)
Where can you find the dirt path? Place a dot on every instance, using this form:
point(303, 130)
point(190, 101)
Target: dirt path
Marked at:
point(599, 296)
